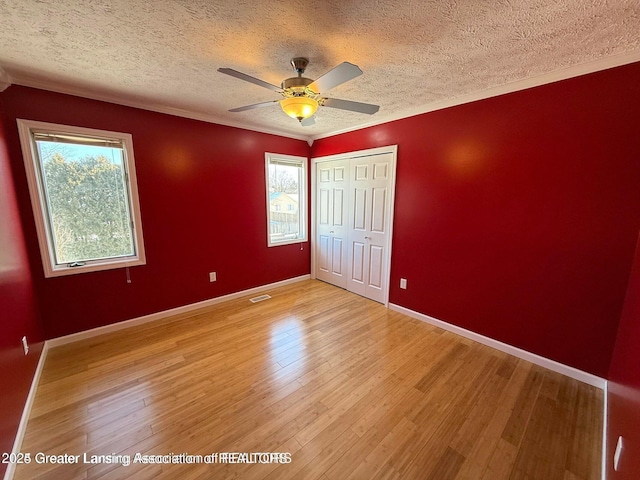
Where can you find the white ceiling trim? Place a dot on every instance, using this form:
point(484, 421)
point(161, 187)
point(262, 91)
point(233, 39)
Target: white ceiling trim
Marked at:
point(177, 112)
point(5, 81)
point(558, 75)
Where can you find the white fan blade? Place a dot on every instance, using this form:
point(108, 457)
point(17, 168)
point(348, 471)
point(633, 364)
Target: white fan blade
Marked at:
point(351, 106)
point(342, 73)
point(249, 78)
point(307, 122)
point(255, 105)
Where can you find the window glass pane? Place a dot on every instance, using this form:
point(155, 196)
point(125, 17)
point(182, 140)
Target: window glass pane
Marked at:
point(284, 199)
point(86, 200)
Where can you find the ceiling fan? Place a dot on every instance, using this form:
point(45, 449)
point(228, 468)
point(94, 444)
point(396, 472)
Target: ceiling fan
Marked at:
point(302, 96)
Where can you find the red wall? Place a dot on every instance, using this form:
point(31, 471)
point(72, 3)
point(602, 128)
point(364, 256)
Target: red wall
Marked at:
point(516, 217)
point(18, 313)
point(624, 385)
point(203, 206)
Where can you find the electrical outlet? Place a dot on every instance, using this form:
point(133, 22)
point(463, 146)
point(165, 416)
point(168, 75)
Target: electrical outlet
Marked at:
point(617, 454)
point(403, 283)
point(212, 276)
point(25, 345)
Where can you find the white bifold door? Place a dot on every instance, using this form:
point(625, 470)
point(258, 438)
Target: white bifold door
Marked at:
point(353, 223)
point(332, 179)
point(369, 226)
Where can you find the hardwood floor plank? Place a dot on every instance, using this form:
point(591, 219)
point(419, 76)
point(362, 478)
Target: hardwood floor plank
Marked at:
point(347, 387)
point(514, 430)
point(327, 456)
point(501, 462)
point(480, 457)
point(448, 465)
point(585, 423)
point(376, 461)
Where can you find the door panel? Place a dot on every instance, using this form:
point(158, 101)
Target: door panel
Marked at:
point(361, 172)
point(360, 209)
point(380, 170)
point(323, 206)
point(324, 174)
point(378, 209)
point(376, 253)
point(338, 207)
point(337, 259)
point(331, 255)
point(323, 254)
point(357, 264)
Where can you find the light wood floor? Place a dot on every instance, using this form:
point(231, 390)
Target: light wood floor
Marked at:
point(350, 389)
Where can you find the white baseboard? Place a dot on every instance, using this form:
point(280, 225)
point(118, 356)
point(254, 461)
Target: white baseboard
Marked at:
point(605, 430)
point(22, 427)
point(94, 332)
point(571, 372)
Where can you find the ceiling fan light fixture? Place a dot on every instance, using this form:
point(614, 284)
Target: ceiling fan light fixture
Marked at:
point(303, 96)
point(299, 107)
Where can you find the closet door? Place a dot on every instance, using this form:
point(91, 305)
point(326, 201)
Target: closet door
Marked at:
point(369, 225)
point(331, 225)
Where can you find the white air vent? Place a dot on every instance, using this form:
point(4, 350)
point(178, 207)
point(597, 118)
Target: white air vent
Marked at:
point(261, 298)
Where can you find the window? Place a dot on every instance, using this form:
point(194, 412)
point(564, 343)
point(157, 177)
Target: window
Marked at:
point(83, 191)
point(286, 199)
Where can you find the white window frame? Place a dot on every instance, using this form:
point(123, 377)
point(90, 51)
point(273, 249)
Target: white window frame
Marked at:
point(36, 189)
point(302, 196)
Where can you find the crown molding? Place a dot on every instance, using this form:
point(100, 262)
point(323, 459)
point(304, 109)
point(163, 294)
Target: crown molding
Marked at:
point(150, 106)
point(5, 80)
point(555, 76)
point(551, 77)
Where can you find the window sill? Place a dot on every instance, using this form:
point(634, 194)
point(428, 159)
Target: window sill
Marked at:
point(95, 266)
point(287, 242)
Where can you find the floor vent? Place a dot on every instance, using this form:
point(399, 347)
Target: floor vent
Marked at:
point(261, 298)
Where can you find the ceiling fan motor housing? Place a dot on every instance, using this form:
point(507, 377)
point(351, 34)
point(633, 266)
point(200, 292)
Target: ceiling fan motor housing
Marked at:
point(296, 84)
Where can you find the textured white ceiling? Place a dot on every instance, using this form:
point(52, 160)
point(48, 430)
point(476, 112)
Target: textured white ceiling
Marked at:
point(416, 54)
